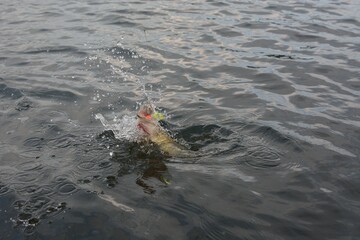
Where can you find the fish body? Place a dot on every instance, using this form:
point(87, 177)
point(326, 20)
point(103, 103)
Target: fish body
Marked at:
point(156, 134)
point(169, 146)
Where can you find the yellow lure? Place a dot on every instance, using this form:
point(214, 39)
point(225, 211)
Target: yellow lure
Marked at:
point(158, 115)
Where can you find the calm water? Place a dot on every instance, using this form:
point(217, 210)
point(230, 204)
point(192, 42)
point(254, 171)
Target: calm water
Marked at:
point(268, 91)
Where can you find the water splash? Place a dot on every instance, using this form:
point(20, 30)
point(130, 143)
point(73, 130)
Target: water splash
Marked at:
point(124, 128)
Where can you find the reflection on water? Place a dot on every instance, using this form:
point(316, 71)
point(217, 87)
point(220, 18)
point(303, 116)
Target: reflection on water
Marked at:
point(266, 93)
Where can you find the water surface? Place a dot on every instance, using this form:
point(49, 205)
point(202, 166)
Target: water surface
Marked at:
point(267, 91)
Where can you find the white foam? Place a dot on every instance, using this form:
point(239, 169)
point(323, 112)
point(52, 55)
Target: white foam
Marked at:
point(124, 127)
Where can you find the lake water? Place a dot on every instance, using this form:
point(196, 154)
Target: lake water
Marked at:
point(268, 92)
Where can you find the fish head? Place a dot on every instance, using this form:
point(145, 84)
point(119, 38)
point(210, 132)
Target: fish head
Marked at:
point(145, 121)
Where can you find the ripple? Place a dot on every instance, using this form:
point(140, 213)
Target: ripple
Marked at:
point(30, 166)
point(268, 132)
point(24, 104)
point(64, 141)
point(215, 227)
point(24, 216)
point(223, 171)
point(94, 165)
point(314, 141)
point(34, 190)
point(281, 224)
point(7, 173)
point(34, 204)
point(261, 156)
point(103, 165)
point(55, 49)
point(225, 32)
point(9, 92)
point(87, 165)
point(54, 94)
point(111, 181)
point(301, 101)
point(118, 20)
point(291, 195)
point(4, 189)
point(28, 221)
point(37, 142)
point(67, 189)
point(28, 177)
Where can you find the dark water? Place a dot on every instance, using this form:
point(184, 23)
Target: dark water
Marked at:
point(268, 91)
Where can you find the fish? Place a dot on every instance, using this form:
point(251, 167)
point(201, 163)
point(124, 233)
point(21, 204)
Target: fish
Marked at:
point(148, 124)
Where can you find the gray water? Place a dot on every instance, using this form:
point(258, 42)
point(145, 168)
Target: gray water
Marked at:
point(267, 92)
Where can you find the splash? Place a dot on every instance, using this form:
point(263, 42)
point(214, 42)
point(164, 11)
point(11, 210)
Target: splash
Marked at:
point(124, 128)
point(119, 64)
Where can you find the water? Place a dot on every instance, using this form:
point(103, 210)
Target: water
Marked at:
point(268, 91)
